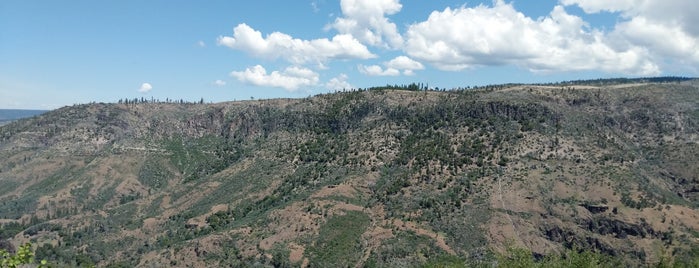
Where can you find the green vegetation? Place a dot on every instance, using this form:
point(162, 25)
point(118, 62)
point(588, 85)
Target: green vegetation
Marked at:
point(64, 256)
point(154, 173)
point(518, 257)
point(569, 258)
point(23, 257)
point(408, 249)
point(569, 166)
point(339, 241)
point(199, 157)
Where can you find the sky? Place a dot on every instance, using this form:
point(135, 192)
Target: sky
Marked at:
point(58, 53)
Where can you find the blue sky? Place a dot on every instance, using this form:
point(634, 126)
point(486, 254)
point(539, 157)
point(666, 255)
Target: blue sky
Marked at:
point(57, 53)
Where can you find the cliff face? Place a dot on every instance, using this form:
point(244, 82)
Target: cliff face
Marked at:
point(378, 177)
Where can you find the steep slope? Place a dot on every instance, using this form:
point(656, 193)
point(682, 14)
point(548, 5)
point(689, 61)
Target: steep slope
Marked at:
point(364, 178)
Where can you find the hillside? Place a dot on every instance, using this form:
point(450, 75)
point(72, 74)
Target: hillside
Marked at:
point(376, 178)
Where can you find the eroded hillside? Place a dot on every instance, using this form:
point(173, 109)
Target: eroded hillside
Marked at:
point(364, 178)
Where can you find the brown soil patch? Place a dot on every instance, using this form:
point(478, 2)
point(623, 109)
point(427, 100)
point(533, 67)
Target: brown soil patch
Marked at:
point(294, 221)
point(501, 230)
point(166, 202)
point(509, 230)
point(150, 224)
point(374, 236)
point(514, 196)
point(438, 239)
point(290, 223)
point(295, 252)
point(598, 192)
point(665, 218)
point(339, 208)
point(345, 190)
point(131, 186)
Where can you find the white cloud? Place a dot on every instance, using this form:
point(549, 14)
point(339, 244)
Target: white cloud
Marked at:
point(297, 51)
point(404, 63)
point(145, 87)
point(649, 35)
point(393, 67)
point(668, 29)
point(375, 70)
point(663, 40)
point(219, 83)
point(455, 39)
point(201, 43)
point(365, 20)
point(338, 83)
point(594, 6)
point(291, 79)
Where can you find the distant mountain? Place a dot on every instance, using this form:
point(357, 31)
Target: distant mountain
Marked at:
point(9, 115)
point(394, 176)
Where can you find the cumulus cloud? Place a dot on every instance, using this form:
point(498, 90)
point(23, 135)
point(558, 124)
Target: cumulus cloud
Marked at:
point(594, 6)
point(404, 63)
point(667, 28)
point(649, 35)
point(393, 67)
point(376, 70)
point(201, 43)
point(219, 83)
point(365, 20)
point(145, 87)
point(338, 83)
point(291, 79)
point(455, 39)
point(297, 51)
point(663, 40)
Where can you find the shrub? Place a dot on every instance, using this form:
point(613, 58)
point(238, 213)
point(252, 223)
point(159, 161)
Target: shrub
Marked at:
point(24, 256)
